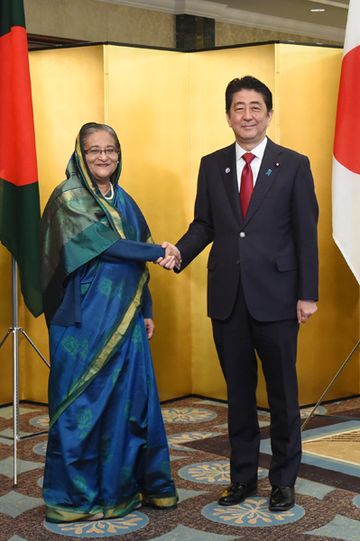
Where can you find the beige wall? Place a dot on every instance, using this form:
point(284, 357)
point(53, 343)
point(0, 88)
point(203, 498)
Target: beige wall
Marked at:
point(99, 21)
point(168, 109)
point(89, 20)
point(230, 34)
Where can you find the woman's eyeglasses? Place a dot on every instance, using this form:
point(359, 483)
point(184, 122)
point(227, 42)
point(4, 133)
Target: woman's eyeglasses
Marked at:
point(95, 152)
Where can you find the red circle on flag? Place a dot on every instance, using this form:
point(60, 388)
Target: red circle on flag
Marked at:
point(347, 131)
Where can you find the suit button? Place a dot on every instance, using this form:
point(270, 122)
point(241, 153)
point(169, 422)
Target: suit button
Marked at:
point(242, 234)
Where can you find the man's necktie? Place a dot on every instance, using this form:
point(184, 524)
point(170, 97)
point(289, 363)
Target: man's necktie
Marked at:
point(247, 183)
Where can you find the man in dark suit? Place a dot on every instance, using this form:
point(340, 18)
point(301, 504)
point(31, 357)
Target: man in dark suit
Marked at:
point(256, 203)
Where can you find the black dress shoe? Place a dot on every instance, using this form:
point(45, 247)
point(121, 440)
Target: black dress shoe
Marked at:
point(236, 493)
point(281, 499)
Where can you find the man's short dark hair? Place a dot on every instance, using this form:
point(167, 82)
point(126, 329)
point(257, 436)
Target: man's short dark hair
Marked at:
point(248, 83)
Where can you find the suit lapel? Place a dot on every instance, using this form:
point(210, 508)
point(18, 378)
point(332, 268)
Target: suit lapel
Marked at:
point(268, 172)
point(227, 165)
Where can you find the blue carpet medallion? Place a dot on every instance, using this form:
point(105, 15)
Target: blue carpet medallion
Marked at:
point(100, 528)
point(214, 472)
point(253, 513)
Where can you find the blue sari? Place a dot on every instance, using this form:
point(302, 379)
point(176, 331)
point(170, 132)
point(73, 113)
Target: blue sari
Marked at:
point(107, 450)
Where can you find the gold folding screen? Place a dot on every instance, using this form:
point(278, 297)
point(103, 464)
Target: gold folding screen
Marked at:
point(168, 110)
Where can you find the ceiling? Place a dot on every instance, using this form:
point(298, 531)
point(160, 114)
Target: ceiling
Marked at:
point(290, 16)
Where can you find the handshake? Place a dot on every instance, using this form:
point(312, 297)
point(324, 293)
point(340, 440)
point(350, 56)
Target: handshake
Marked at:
point(172, 257)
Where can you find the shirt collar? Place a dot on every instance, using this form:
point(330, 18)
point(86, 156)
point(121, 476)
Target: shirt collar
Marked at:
point(258, 151)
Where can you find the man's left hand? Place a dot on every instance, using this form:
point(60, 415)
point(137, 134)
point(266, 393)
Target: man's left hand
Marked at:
point(305, 309)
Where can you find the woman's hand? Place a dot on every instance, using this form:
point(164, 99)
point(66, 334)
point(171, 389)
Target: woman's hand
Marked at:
point(150, 327)
point(172, 257)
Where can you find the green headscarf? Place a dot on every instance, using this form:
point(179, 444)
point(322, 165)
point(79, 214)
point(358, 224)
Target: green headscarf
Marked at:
point(77, 225)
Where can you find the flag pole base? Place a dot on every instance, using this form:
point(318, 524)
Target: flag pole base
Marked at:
point(15, 331)
point(342, 367)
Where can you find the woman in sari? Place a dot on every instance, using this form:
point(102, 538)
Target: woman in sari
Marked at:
point(107, 451)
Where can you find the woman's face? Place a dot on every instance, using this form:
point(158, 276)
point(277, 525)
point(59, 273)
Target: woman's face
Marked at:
point(101, 155)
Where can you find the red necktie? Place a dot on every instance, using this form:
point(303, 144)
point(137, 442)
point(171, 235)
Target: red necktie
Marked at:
point(247, 183)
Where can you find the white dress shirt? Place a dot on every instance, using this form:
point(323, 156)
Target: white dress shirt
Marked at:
point(258, 152)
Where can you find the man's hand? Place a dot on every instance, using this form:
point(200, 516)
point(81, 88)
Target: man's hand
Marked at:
point(305, 309)
point(150, 327)
point(172, 257)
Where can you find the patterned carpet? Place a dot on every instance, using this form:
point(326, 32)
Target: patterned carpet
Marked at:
point(328, 500)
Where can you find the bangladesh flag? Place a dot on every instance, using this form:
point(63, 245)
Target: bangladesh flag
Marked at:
point(19, 189)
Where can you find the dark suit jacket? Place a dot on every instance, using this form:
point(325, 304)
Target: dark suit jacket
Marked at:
point(274, 249)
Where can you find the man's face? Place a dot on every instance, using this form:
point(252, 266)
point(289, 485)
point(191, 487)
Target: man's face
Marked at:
point(249, 118)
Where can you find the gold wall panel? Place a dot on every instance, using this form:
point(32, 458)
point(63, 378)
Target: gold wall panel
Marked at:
point(5, 324)
point(168, 109)
point(210, 73)
point(147, 103)
point(135, 91)
point(307, 87)
point(68, 90)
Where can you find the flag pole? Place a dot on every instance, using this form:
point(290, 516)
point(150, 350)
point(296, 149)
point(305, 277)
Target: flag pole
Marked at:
point(343, 365)
point(15, 331)
point(15, 351)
